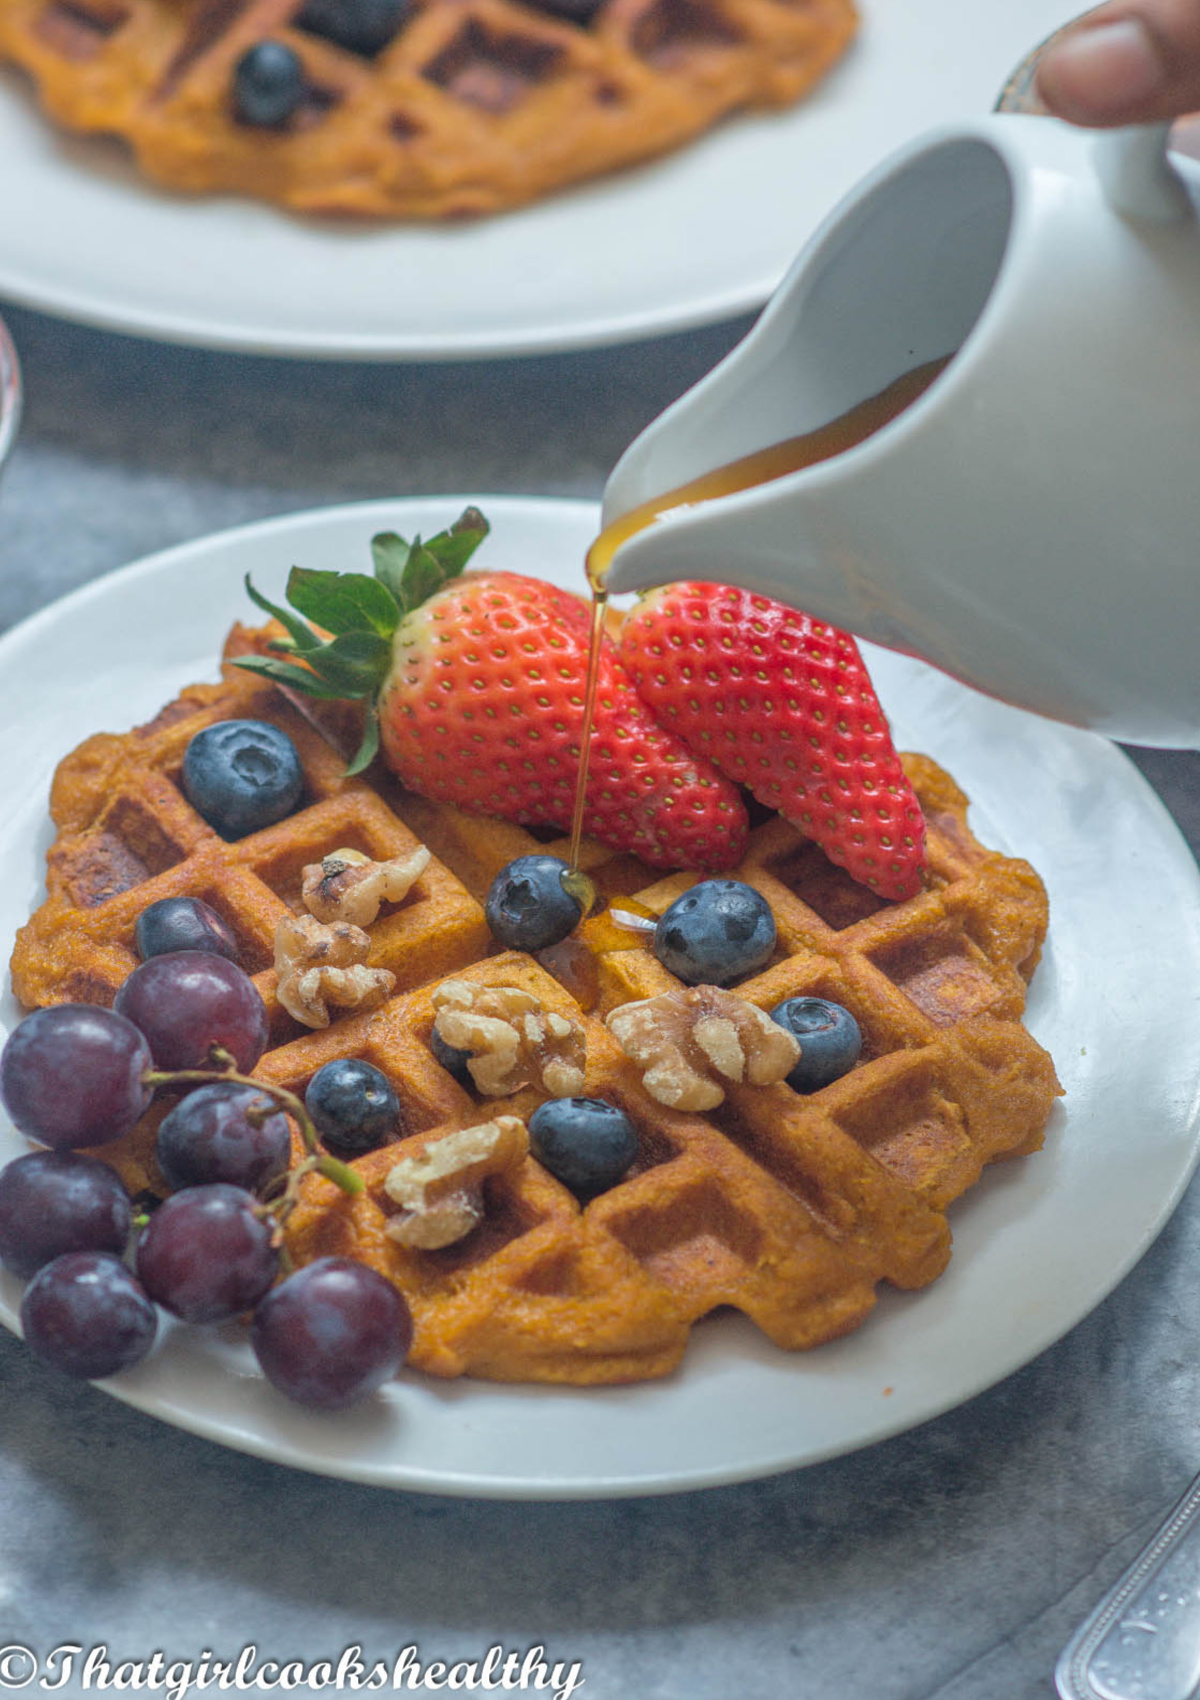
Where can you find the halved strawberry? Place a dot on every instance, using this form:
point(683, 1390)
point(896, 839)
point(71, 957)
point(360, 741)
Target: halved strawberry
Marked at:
point(783, 704)
point(475, 690)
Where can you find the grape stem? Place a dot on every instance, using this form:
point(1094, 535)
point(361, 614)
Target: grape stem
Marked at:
point(224, 1068)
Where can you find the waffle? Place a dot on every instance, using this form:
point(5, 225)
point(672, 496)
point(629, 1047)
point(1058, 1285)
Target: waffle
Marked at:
point(474, 106)
point(791, 1209)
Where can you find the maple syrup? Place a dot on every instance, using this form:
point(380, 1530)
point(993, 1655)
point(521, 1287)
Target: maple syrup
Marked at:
point(776, 461)
point(575, 962)
point(599, 609)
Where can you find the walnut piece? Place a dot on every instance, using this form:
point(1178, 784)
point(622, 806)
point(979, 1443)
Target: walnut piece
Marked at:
point(689, 1041)
point(513, 1041)
point(322, 967)
point(441, 1191)
point(348, 886)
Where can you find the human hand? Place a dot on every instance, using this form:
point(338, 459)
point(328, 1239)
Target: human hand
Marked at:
point(1129, 62)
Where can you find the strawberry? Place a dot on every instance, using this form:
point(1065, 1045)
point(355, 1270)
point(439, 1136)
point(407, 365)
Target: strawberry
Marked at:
point(475, 691)
point(784, 705)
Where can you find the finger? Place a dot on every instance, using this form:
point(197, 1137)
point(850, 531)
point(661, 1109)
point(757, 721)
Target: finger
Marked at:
point(1131, 62)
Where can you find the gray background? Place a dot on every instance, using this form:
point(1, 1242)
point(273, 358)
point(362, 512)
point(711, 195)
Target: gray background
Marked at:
point(948, 1564)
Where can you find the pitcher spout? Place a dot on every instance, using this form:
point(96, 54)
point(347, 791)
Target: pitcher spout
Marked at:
point(767, 511)
point(868, 303)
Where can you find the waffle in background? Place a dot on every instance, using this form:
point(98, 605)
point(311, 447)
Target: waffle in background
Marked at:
point(474, 106)
point(789, 1208)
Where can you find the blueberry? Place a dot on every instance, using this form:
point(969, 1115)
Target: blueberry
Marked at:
point(453, 1060)
point(715, 933)
point(529, 907)
point(183, 923)
point(586, 1143)
point(830, 1040)
point(361, 26)
point(353, 1106)
point(242, 775)
point(268, 85)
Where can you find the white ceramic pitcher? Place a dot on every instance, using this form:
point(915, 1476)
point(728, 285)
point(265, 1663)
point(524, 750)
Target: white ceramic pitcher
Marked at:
point(1032, 523)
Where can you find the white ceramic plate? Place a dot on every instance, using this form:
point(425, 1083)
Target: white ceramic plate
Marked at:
point(1037, 1244)
point(10, 393)
point(686, 241)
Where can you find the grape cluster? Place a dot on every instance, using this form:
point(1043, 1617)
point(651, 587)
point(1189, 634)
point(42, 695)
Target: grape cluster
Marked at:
point(192, 1021)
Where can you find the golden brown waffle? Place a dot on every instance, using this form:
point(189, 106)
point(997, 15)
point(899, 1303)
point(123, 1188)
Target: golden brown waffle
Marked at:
point(475, 105)
point(789, 1208)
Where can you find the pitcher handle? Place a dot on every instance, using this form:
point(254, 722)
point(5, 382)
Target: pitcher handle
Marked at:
point(1136, 176)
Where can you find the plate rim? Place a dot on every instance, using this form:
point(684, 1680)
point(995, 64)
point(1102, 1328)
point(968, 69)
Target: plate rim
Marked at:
point(475, 1484)
point(611, 331)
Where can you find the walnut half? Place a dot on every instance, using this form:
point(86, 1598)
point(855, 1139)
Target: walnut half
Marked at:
point(689, 1042)
point(512, 1039)
point(348, 886)
point(441, 1191)
point(322, 967)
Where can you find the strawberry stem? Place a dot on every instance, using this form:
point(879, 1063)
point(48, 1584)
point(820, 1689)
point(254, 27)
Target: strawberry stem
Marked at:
point(317, 1160)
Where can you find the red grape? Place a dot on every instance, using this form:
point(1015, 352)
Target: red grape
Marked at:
point(72, 1075)
point(332, 1333)
point(85, 1314)
point(215, 1134)
point(52, 1202)
point(190, 1000)
point(206, 1255)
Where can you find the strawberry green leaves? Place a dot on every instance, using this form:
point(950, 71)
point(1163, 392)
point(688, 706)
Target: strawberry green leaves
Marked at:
point(353, 664)
point(413, 571)
point(343, 602)
point(355, 616)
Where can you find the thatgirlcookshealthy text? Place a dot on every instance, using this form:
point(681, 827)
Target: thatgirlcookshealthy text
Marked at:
point(73, 1669)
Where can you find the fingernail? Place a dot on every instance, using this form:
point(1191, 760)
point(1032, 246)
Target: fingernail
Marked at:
point(1095, 75)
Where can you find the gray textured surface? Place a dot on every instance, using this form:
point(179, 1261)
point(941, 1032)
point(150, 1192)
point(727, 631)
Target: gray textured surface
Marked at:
point(948, 1564)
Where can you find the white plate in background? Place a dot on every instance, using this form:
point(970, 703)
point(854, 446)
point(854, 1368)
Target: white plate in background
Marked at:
point(1037, 1244)
point(697, 237)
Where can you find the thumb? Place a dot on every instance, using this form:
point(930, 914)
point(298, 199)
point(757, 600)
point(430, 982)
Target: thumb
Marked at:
point(1131, 62)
